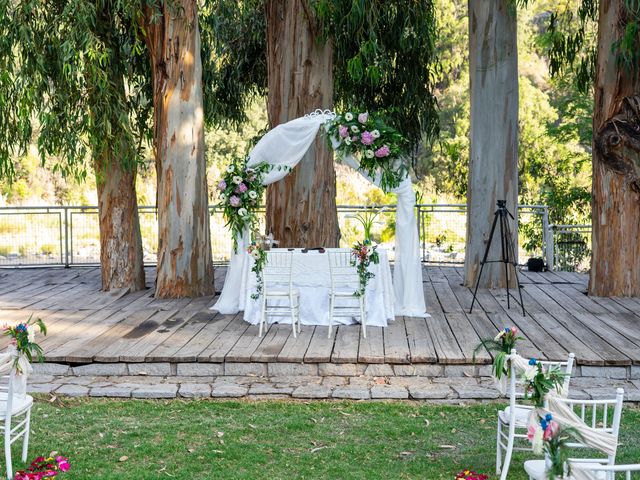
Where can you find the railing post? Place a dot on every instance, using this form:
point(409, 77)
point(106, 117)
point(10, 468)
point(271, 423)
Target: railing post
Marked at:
point(550, 248)
point(545, 232)
point(66, 236)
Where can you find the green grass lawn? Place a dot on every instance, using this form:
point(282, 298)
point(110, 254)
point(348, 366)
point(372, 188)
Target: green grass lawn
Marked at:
point(275, 439)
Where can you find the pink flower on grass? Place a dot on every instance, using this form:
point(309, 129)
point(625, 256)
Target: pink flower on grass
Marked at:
point(366, 138)
point(222, 185)
point(63, 463)
point(241, 188)
point(362, 118)
point(383, 151)
point(234, 201)
point(343, 131)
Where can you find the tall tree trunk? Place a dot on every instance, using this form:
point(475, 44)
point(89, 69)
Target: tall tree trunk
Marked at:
point(184, 244)
point(493, 163)
point(121, 258)
point(615, 263)
point(301, 208)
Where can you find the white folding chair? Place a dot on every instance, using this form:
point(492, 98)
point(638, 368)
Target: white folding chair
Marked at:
point(277, 286)
point(513, 419)
point(13, 406)
point(607, 472)
point(595, 413)
point(344, 283)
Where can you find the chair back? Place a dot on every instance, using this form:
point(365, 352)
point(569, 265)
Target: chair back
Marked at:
point(343, 270)
point(610, 472)
point(277, 270)
point(6, 393)
point(602, 415)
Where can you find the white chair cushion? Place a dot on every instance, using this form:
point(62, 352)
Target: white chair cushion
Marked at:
point(522, 416)
point(17, 406)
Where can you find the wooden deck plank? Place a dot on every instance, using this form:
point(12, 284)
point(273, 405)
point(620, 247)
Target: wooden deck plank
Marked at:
point(226, 339)
point(345, 349)
point(165, 351)
point(466, 337)
point(320, 346)
point(209, 325)
point(372, 348)
point(270, 348)
point(295, 349)
point(446, 297)
point(421, 345)
point(246, 345)
point(396, 346)
point(446, 346)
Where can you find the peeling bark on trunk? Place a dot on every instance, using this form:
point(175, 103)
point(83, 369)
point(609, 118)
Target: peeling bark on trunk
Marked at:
point(121, 258)
point(615, 263)
point(301, 208)
point(184, 244)
point(493, 163)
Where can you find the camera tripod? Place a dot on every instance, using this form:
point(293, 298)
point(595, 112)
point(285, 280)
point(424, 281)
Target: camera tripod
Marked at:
point(507, 256)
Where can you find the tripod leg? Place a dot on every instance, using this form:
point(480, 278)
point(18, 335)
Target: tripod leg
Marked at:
point(505, 251)
point(484, 259)
point(515, 267)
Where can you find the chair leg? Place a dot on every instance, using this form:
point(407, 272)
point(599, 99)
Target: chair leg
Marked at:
point(498, 449)
point(263, 313)
point(293, 317)
point(363, 318)
point(25, 440)
point(7, 449)
point(331, 299)
point(507, 456)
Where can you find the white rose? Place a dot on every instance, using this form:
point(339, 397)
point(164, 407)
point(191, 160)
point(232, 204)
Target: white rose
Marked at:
point(368, 153)
point(354, 129)
point(376, 134)
point(242, 212)
point(237, 180)
point(348, 117)
point(230, 169)
point(530, 373)
point(347, 141)
point(252, 194)
point(31, 334)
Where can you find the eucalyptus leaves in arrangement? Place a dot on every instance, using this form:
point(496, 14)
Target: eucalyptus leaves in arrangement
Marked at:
point(364, 254)
point(376, 144)
point(240, 191)
point(501, 346)
point(259, 256)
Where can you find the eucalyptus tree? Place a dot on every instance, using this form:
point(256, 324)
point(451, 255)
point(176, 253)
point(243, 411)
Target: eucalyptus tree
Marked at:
point(73, 80)
point(612, 69)
point(99, 79)
point(314, 54)
point(493, 162)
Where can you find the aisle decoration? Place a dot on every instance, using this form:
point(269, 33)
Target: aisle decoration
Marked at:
point(44, 468)
point(547, 436)
point(539, 382)
point(259, 259)
point(364, 254)
point(377, 145)
point(500, 346)
point(240, 191)
point(23, 338)
point(470, 475)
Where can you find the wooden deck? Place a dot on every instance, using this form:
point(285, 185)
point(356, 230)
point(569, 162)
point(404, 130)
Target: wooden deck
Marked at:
point(86, 325)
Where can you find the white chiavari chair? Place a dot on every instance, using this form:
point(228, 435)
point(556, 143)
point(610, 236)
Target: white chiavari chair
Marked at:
point(277, 287)
point(344, 282)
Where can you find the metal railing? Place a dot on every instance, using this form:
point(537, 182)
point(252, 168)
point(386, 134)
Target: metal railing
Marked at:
point(69, 235)
point(569, 247)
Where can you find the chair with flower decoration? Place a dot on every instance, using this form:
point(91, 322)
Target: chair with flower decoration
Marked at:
point(344, 282)
point(14, 404)
point(512, 421)
point(277, 286)
point(599, 416)
point(604, 472)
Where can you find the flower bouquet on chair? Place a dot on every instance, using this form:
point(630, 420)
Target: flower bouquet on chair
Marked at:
point(547, 436)
point(22, 349)
point(500, 346)
point(540, 381)
point(364, 254)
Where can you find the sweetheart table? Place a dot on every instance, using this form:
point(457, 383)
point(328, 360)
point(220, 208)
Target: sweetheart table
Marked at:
point(310, 276)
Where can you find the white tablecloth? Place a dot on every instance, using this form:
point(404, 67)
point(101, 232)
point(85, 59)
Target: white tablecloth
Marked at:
point(312, 279)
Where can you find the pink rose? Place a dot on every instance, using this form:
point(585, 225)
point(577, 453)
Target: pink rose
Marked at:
point(366, 138)
point(383, 151)
point(363, 117)
point(343, 131)
point(551, 430)
point(234, 201)
point(241, 188)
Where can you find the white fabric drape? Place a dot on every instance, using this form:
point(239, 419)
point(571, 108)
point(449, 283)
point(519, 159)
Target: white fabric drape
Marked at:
point(7, 364)
point(283, 147)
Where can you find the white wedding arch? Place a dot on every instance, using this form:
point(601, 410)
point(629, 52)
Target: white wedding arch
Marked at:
point(284, 147)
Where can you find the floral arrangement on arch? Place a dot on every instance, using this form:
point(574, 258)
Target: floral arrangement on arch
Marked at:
point(364, 254)
point(468, 474)
point(377, 145)
point(44, 468)
point(23, 337)
point(240, 191)
point(540, 381)
point(501, 346)
point(549, 437)
point(259, 256)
